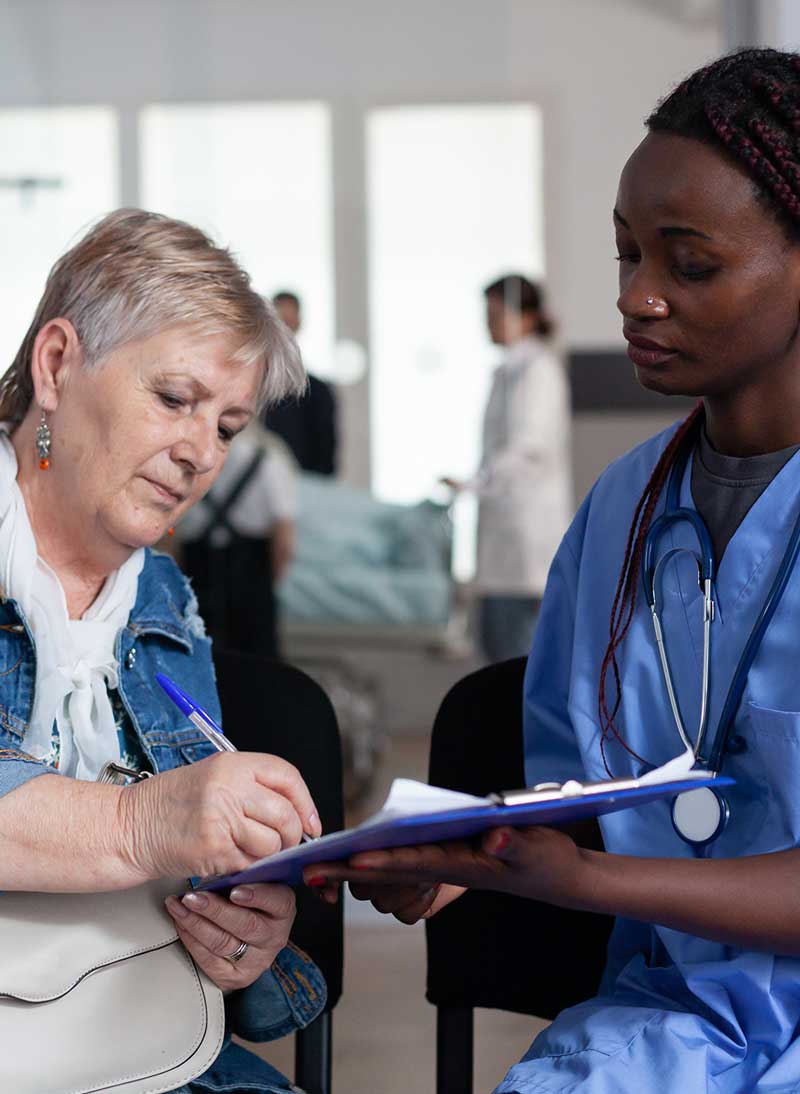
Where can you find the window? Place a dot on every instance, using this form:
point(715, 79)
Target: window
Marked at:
point(58, 173)
point(455, 201)
point(256, 176)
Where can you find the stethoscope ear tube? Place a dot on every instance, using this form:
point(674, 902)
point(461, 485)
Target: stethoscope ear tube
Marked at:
point(651, 573)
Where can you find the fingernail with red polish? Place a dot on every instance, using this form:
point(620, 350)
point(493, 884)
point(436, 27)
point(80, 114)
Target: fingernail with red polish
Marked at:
point(317, 881)
point(501, 843)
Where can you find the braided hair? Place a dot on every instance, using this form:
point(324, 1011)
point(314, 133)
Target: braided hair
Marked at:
point(746, 105)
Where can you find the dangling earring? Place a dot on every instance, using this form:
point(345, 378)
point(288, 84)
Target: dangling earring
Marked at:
point(43, 440)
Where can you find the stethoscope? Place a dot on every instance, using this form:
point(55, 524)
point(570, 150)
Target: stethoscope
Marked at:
point(699, 816)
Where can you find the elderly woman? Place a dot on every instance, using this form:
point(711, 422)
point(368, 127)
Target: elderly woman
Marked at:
point(148, 353)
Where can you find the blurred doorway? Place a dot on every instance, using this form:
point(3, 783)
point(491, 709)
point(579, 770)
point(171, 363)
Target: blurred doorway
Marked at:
point(58, 172)
point(454, 195)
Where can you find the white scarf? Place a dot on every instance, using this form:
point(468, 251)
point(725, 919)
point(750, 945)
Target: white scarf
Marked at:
point(75, 663)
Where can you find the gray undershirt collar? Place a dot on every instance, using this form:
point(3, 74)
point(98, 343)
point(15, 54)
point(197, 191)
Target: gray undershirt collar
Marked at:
point(725, 488)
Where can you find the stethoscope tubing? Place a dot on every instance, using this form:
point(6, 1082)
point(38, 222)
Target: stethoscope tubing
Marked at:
point(708, 615)
point(675, 514)
point(739, 681)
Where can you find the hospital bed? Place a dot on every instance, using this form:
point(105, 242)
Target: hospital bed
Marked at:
point(367, 576)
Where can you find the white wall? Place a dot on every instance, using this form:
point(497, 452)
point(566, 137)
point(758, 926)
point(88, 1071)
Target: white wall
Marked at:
point(777, 23)
point(597, 66)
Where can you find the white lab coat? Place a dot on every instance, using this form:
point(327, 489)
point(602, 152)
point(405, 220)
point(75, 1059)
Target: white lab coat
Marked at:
point(525, 480)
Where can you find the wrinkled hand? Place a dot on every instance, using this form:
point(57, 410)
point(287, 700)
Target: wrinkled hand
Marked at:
point(216, 816)
point(211, 926)
point(539, 863)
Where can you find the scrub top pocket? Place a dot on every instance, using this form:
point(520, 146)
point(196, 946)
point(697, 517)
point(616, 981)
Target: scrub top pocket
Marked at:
point(765, 762)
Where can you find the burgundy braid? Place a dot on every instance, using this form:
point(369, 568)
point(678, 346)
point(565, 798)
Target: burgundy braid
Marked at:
point(628, 585)
point(773, 144)
point(748, 102)
point(779, 96)
point(740, 145)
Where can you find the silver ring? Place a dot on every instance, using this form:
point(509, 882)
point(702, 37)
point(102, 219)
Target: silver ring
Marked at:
point(237, 954)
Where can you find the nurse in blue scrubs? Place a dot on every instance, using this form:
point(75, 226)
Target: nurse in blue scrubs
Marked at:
point(702, 987)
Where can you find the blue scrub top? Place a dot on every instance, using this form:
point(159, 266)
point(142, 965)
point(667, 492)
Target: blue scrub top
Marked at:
point(676, 1013)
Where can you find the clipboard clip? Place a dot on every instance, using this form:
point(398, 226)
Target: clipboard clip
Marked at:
point(544, 792)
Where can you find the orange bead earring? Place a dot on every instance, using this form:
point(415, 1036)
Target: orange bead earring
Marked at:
point(43, 440)
point(170, 531)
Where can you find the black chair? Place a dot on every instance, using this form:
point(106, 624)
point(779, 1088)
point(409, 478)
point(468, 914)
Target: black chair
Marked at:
point(490, 949)
point(272, 707)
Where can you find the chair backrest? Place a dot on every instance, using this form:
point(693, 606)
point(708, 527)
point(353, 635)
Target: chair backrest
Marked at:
point(272, 707)
point(491, 949)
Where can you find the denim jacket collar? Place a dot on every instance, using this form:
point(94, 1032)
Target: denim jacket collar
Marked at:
point(162, 605)
point(165, 607)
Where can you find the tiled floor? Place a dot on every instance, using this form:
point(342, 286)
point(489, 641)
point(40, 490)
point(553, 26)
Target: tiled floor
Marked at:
point(383, 1029)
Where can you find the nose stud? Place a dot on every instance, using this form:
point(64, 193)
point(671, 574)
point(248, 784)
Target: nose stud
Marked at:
point(657, 304)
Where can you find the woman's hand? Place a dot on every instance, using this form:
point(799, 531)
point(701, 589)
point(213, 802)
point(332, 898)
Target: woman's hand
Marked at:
point(216, 816)
point(539, 863)
point(212, 927)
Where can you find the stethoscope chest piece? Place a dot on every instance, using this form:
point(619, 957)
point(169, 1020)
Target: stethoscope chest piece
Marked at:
point(699, 816)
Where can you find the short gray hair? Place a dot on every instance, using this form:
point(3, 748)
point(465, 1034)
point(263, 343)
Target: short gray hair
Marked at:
point(137, 273)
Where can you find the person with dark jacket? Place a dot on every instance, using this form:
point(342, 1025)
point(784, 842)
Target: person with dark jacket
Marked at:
point(307, 423)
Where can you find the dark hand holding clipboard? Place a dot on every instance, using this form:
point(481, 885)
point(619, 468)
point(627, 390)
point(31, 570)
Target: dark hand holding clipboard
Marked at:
point(459, 816)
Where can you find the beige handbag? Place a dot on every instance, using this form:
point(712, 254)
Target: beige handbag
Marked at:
point(98, 993)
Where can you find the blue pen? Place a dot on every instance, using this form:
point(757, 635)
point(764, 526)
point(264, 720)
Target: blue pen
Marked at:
point(202, 721)
point(195, 713)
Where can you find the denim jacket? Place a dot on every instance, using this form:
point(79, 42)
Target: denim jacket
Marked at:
point(165, 634)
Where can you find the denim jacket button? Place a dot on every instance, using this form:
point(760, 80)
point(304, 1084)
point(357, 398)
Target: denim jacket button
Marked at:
point(130, 660)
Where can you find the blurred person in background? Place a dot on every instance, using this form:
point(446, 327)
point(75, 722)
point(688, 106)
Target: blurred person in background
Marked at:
point(307, 423)
point(239, 540)
point(524, 483)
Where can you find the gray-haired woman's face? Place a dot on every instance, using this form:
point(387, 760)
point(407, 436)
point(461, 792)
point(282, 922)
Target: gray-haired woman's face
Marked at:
point(140, 438)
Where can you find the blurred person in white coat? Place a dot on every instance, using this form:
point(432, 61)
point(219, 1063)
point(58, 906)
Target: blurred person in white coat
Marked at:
point(524, 482)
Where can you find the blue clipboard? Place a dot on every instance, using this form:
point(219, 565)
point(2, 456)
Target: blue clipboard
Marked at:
point(406, 831)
